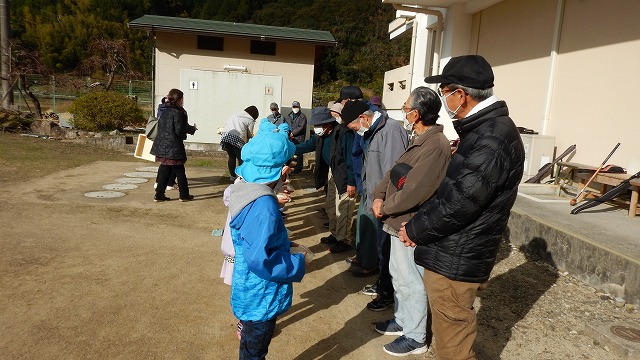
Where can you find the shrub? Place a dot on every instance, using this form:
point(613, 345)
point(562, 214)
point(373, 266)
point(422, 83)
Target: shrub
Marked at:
point(105, 111)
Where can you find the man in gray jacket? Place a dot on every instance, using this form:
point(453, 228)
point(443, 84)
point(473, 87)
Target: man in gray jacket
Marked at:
point(384, 140)
point(276, 118)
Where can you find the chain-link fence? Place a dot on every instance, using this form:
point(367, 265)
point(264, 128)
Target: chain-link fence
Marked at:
point(57, 94)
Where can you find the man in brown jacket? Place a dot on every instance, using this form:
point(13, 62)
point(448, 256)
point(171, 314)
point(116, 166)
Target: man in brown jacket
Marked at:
point(411, 182)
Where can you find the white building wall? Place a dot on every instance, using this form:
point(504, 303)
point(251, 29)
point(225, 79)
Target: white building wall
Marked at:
point(589, 94)
point(294, 61)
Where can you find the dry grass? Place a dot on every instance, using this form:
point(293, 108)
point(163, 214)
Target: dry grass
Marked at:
point(24, 157)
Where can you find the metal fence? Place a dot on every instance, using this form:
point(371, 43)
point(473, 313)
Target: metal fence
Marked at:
point(57, 97)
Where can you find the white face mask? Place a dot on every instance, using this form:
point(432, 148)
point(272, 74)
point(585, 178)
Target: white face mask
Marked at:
point(452, 114)
point(339, 120)
point(318, 130)
point(407, 125)
point(295, 110)
point(363, 129)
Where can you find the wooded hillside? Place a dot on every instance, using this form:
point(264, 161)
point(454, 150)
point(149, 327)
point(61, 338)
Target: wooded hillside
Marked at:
point(62, 31)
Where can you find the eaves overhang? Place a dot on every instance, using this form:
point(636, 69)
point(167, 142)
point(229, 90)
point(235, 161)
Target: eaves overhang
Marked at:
point(155, 23)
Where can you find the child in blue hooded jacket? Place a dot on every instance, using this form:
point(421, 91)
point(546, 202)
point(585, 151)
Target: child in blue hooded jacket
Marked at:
point(264, 267)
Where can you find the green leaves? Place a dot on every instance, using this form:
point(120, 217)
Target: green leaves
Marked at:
point(62, 31)
point(105, 111)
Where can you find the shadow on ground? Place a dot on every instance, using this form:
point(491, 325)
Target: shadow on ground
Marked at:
point(510, 296)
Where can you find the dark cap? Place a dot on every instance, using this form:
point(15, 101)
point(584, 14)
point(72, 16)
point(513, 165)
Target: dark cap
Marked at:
point(320, 115)
point(353, 109)
point(375, 100)
point(350, 92)
point(274, 106)
point(253, 111)
point(470, 70)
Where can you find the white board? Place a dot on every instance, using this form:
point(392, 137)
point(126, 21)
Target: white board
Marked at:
point(143, 148)
point(219, 94)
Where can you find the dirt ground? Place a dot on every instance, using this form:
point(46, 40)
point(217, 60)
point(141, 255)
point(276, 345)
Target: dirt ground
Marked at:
point(127, 278)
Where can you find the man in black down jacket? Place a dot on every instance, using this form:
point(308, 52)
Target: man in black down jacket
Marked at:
point(458, 231)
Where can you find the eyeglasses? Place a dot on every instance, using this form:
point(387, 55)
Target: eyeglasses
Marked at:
point(447, 93)
point(405, 108)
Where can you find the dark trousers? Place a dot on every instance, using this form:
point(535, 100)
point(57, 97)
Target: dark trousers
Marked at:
point(255, 339)
point(172, 178)
point(234, 155)
point(385, 286)
point(164, 175)
point(299, 164)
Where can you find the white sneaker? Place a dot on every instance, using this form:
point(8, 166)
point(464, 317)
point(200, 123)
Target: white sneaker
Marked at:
point(155, 186)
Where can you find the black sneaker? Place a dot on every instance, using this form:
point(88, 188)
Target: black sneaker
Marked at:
point(389, 327)
point(188, 198)
point(404, 346)
point(329, 240)
point(160, 198)
point(380, 304)
point(339, 247)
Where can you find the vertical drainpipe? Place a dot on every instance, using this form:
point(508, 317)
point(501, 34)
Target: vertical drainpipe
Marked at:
point(557, 33)
point(153, 73)
point(414, 34)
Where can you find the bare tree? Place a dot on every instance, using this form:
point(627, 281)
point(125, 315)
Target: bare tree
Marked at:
point(111, 57)
point(25, 61)
point(5, 54)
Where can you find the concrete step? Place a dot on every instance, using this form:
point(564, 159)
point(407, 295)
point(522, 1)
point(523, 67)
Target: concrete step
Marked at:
point(599, 246)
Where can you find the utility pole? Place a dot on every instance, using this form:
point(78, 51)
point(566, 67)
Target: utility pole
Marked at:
point(5, 55)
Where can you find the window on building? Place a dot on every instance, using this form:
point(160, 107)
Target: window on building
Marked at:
point(263, 47)
point(210, 43)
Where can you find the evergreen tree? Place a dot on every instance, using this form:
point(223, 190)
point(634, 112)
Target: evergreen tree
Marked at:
point(62, 31)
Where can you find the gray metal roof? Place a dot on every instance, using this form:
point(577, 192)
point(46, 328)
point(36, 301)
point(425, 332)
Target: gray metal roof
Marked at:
point(229, 29)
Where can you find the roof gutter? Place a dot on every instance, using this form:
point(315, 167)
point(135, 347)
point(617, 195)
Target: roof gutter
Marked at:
point(227, 34)
point(557, 33)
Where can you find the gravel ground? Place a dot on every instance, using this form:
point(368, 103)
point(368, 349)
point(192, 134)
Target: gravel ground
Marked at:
point(128, 278)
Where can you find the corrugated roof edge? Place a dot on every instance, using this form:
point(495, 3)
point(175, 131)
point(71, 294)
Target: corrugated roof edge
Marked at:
point(263, 32)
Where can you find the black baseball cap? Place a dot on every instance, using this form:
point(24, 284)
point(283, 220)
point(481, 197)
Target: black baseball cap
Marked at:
point(353, 109)
point(350, 92)
point(469, 70)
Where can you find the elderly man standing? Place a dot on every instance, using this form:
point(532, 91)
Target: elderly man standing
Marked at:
point(384, 140)
point(298, 130)
point(332, 144)
point(276, 118)
point(412, 181)
point(457, 232)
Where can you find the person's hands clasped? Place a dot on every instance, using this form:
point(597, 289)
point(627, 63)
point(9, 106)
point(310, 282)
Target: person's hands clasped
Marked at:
point(283, 198)
point(351, 191)
point(376, 208)
point(404, 238)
